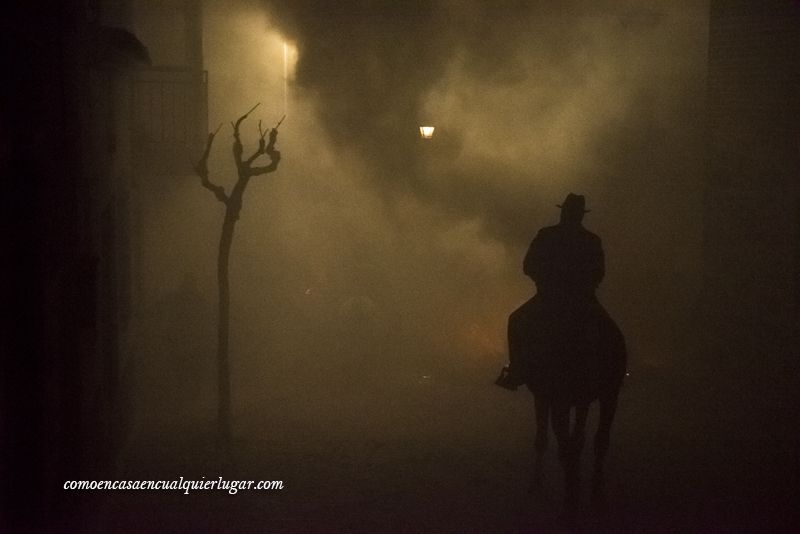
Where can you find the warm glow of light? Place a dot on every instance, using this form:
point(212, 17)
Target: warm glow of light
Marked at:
point(285, 78)
point(426, 131)
point(481, 339)
point(289, 53)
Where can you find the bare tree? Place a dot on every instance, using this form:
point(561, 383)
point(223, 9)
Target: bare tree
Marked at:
point(233, 205)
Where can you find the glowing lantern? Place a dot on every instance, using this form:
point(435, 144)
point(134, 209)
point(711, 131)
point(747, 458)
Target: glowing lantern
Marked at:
point(426, 131)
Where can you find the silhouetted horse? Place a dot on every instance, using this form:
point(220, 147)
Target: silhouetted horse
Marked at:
point(570, 355)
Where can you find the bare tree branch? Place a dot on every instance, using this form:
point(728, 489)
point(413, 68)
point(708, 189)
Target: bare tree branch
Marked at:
point(244, 167)
point(243, 117)
point(269, 149)
point(202, 171)
point(273, 136)
point(238, 149)
point(272, 167)
point(261, 147)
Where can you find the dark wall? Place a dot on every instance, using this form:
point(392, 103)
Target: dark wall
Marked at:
point(752, 239)
point(58, 353)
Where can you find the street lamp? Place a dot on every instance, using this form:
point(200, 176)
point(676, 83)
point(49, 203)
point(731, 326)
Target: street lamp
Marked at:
point(426, 132)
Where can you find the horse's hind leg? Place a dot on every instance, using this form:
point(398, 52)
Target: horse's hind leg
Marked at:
point(540, 443)
point(577, 439)
point(566, 455)
point(608, 408)
point(579, 430)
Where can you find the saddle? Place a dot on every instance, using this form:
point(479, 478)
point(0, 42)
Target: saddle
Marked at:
point(561, 350)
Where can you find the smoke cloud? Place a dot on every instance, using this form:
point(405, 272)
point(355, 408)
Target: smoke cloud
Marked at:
point(373, 250)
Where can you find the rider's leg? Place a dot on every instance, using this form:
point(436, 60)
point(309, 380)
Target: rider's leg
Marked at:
point(519, 345)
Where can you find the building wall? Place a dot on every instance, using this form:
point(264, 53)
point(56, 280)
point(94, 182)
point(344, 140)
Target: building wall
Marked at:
point(752, 215)
point(67, 159)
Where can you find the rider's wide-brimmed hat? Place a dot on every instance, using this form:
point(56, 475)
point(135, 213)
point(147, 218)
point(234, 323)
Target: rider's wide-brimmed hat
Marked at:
point(574, 203)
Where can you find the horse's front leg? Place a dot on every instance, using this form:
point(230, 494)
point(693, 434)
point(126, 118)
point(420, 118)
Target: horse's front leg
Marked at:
point(542, 406)
point(560, 414)
point(570, 446)
point(608, 408)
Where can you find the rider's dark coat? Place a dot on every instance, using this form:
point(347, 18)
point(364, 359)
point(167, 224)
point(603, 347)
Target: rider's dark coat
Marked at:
point(551, 336)
point(565, 259)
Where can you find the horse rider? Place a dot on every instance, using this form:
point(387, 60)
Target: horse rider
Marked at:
point(567, 263)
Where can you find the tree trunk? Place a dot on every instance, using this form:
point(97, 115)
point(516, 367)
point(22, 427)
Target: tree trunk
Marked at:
point(223, 333)
point(233, 205)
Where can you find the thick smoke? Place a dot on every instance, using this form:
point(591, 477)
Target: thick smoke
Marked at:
point(372, 250)
point(531, 100)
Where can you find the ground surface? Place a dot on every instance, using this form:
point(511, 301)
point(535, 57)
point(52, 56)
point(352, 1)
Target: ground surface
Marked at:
point(421, 454)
